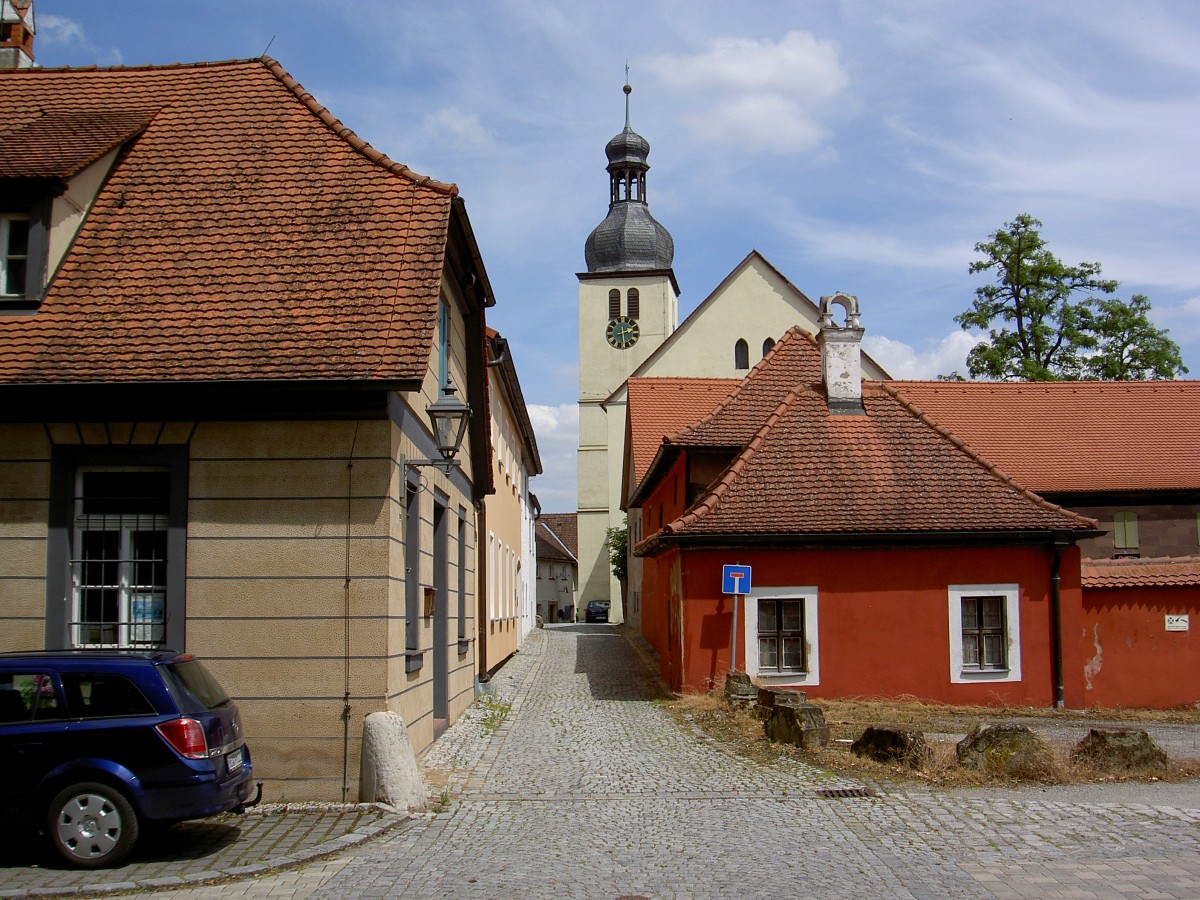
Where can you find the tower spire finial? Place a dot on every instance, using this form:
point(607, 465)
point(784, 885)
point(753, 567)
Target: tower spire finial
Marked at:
point(628, 91)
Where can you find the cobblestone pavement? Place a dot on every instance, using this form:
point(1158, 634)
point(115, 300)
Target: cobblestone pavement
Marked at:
point(587, 789)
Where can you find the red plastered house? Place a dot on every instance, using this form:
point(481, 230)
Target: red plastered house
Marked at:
point(889, 555)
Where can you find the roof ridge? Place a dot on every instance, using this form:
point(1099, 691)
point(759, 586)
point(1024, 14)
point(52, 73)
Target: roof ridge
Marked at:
point(974, 454)
point(201, 64)
point(793, 333)
point(334, 124)
point(733, 471)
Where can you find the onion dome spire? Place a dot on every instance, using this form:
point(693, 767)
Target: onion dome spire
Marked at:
point(629, 238)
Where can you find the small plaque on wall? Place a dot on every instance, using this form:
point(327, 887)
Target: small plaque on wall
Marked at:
point(1177, 623)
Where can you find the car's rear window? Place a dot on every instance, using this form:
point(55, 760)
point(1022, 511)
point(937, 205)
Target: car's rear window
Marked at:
point(192, 687)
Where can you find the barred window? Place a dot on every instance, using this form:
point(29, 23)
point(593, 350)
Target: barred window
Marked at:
point(119, 557)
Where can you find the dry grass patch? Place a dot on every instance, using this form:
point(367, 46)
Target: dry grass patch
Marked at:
point(741, 732)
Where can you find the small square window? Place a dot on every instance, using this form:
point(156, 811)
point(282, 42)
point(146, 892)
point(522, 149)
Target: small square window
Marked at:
point(985, 633)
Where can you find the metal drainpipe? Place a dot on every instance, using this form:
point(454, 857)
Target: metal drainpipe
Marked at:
point(481, 574)
point(1056, 620)
point(346, 620)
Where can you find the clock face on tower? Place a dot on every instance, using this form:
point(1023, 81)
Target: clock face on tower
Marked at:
point(622, 332)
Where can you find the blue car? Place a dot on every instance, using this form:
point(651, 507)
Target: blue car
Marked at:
point(95, 745)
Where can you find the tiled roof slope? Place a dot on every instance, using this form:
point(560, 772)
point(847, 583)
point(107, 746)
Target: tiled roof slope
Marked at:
point(559, 532)
point(61, 142)
point(807, 472)
point(795, 359)
point(1180, 571)
point(663, 406)
point(244, 234)
point(1075, 436)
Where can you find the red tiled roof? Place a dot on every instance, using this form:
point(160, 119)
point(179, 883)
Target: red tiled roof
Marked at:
point(1164, 571)
point(60, 142)
point(1075, 436)
point(807, 472)
point(559, 532)
point(663, 406)
point(795, 359)
point(244, 234)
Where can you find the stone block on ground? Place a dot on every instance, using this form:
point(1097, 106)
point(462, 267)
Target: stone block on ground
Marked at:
point(1012, 751)
point(898, 745)
point(769, 698)
point(1120, 750)
point(740, 691)
point(802, 726)
point(390, 773)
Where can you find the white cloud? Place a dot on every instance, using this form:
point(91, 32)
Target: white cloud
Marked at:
point(743, 121)
point(59, 30)
point(64, 32)
point(557, 432)
point(907, 363)
point(760, 95)
point(458, 132)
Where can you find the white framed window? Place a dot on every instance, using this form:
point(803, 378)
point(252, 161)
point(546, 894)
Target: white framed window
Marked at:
point(14, 255)
point(985, 633)
point(781, 640)
point(119, 557)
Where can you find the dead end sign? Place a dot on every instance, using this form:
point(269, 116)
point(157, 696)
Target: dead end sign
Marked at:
point(735, 580)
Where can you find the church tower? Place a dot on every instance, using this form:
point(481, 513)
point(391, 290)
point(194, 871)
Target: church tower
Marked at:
point(628, 305)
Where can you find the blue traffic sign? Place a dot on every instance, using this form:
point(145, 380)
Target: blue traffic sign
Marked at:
point(735, 580)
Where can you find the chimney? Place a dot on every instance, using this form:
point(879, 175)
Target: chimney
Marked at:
point(841, 358)
point(16, 34)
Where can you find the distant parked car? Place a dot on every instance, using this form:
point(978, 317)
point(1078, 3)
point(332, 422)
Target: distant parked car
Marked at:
point(96, 745)
point(596, 611)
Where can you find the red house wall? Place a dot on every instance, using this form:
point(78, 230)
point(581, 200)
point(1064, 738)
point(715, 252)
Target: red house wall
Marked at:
point(1125, 655)
point(883, 618)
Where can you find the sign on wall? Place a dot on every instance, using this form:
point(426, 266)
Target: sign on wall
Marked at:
point(1177, 623)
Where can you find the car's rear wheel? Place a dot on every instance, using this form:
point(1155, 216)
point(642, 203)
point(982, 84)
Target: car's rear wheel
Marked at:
point(91, 825)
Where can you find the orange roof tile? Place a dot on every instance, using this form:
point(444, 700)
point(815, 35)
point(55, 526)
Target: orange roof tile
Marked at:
point(559, 533)
point(802, 472)
point(58, 143)
point(1075, 436)
point(795, 359)
point(245, 233)
point(807, 472)
point(1164, 571)
point(662, 406)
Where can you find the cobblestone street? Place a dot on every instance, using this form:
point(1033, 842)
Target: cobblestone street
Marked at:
point(588, 789)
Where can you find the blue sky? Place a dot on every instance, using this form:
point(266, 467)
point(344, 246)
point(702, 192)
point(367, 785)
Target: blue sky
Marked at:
point(859, 146)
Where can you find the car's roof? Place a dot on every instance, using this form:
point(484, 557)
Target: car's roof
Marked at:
point(127, 657)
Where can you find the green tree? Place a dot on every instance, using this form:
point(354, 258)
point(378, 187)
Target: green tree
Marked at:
point(1129, 347)
point(1037, 328)
point(1046, 321)
point(617, 541)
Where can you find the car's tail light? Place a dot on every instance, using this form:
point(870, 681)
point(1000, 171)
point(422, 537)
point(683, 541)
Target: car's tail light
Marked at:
point(186, 736)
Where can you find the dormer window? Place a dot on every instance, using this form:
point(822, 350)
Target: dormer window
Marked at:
point(14, 255)
point(24, 234)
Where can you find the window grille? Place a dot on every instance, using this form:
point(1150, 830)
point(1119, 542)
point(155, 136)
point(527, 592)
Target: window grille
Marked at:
point(119, 558)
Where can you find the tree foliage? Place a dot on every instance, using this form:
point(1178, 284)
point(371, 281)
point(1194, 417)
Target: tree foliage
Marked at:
point(1129, 347)
point(617, 541)
point(1048, 321)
